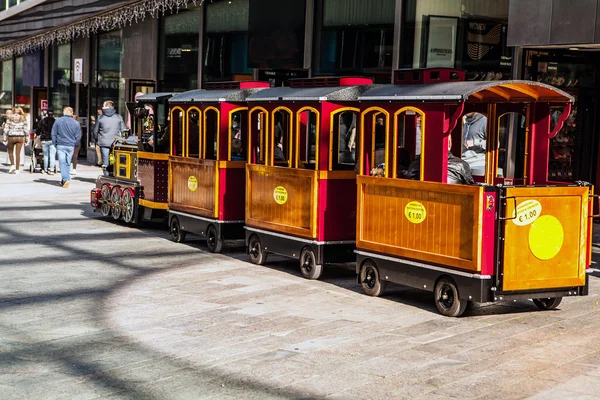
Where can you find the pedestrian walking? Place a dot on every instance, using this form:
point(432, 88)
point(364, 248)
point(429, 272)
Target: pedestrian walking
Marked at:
point(16, 132)
point(108, 126)
point(66, 133)
point(77, 148)
point(44, 132)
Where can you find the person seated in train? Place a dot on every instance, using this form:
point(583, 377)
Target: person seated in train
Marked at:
point(474, 138)
point(237, 150)
point(459, 171)
point(236, 132)
point(163, 142)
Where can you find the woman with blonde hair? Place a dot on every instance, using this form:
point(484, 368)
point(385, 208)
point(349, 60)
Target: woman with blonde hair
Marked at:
point(17, 138)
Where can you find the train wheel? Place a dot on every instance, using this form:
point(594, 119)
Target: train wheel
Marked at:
point(213, 241)
point(370, 281)
point(256, 252)
point(548, 304)
point(116, 198)
point(177, 234)
point(308, 264)
point(447, 299)
point(128, 206)
point(105, 200)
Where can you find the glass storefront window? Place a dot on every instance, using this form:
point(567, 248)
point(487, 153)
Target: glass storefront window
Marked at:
point(179, 42)
point(22, 92)
point(109, 83)
point(465, 34)
point(357, 38)
point(226, 52)
point(6, 93)
point(60, 87)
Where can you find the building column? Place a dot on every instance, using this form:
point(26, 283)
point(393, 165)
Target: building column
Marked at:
point(397, 37)
point(201, 32)
point(309, 24)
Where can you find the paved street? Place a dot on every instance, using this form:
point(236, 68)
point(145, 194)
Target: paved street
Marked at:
point(90, 308)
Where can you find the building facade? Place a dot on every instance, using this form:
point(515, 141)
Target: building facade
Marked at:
point(82, 52)
point(558, 42)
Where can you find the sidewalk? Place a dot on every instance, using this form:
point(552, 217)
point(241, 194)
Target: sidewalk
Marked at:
point(91, 308)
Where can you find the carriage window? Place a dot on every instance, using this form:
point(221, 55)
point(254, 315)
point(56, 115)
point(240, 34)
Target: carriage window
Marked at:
point(162, 130)
point(238, 132)
point(474, 142)
point(281, 144)
point(307, 135)
point(407, 143)
point(211, 134)
point(379, 134)
point(193, 132)
point(511, 146)
point(258, 129)
point(177, 133)
point(344, 140)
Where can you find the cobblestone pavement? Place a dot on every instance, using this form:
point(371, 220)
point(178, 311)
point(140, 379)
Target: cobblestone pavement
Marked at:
point(90, 308)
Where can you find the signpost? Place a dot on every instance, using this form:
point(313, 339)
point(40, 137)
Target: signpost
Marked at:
point(78, 71)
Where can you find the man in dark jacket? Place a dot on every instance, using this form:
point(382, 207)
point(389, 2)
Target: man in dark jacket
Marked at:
point(108, 126)
point(66, 133)
point(44, 131)
point(459, 171)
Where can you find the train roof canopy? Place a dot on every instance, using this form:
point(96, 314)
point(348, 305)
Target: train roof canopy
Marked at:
point(335, 93)
point(154, 96)
point(479, 91)
point(201, 95)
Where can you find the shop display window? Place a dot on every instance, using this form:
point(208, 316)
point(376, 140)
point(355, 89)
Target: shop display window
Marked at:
point(572, 77)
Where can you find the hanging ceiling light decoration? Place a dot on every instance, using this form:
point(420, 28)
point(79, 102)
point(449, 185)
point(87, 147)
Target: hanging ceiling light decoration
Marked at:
point(114, 19)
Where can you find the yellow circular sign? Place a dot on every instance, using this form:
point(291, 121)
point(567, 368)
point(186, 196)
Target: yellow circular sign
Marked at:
point(280, 195)
point(193, 183)
point(415, 212)
point(546, 237)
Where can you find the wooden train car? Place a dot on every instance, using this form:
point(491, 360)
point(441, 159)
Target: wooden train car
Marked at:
point(513, 235)
point(301, 183)
point(136, 186)
point(209, 135)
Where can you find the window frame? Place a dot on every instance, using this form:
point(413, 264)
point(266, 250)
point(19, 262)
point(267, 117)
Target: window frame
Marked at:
point(217, 132)
point(229, 136)
point(182, 133)
point(422, 114)
point(187, 131)
point(332, 132)
point(317, 131)
point(271, 157)
point(262, 134)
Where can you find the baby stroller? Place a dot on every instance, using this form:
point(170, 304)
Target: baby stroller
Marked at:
point(37, 154)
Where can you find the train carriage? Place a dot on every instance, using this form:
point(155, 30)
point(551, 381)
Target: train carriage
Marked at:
point(209, 130)
point(135, 186)
point(513, 235)
point(301, 183)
